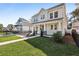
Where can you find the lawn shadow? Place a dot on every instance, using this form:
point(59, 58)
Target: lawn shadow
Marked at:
point(44, 44)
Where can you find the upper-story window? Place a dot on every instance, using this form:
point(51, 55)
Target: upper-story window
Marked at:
point(42, 16)
point(35, 19)
point(51, 15)
point(56, 14)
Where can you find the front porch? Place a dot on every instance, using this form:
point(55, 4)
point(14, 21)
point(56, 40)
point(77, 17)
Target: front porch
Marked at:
point(48, 27)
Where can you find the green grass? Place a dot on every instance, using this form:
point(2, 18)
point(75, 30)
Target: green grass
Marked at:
point(51, 48)
point(37, 47)
point(8, 38)
point(22, 48)
point(2, 32)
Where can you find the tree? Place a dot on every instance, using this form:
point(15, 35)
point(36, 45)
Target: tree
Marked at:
point(10, 27)
point(75, 14)
point(1, 27)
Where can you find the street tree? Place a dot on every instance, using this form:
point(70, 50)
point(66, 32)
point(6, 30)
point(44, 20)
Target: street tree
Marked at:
point(1, 27)
point(10, 27)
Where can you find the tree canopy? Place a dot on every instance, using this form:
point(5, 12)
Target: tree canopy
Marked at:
point(75, 14)
point(1, 27)
point(10, 27)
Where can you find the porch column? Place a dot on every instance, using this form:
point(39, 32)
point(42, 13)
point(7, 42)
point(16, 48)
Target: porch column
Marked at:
point(44, 27)
point(34, 28)
point(53, 30)
point(29, 28)
point(39, 29)
point(53, 26)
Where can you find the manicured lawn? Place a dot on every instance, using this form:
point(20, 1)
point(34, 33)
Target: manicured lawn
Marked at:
point(51, 48)
point(22, 48)
point(37, 47)
point(2, 32)
point(8, 38)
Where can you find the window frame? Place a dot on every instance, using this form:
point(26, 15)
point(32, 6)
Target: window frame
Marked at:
point(55, 26)
point(56, 14)
point(43, 16)
point(51, 15)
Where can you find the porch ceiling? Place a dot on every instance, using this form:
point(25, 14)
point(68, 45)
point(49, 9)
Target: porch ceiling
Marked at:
point(49, 21)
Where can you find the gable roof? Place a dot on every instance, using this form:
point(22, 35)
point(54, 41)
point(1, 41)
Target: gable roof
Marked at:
point(57, 6)
point(21, 19)
point(42, 9)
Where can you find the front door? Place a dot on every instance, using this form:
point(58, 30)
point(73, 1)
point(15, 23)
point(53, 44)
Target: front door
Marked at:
point(42, 27)
point(36, 30)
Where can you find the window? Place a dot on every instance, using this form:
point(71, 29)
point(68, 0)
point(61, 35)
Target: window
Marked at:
point(42, 16)
point(56, 14)
point(51, 27)
point(35, 20)
point(51, 15)
point(55, 26)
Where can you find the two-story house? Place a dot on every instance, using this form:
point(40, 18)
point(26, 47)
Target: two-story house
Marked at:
point(50, 20)
point(23, 25)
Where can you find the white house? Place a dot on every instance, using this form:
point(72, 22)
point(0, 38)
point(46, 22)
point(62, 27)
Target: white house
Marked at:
point(50, 20)
point(23, 25)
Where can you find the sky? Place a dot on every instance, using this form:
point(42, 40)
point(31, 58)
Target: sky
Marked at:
point(10, 12)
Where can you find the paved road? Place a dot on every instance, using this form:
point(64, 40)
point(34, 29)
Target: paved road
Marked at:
point(13, 41)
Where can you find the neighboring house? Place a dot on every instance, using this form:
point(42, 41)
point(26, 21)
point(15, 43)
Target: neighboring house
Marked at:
point(77, 4)
point(75, 23)
point(14, 28)
point(23, 25)
point(5, 29)
point(50, 20)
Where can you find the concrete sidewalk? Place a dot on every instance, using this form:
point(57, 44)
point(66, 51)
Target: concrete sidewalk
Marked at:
point(13, 41)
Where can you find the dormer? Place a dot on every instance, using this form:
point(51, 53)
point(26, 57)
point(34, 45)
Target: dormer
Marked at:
point(40, 16)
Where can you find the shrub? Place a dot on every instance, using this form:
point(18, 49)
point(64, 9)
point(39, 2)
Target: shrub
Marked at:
point(75, 37)
point(57, 37)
